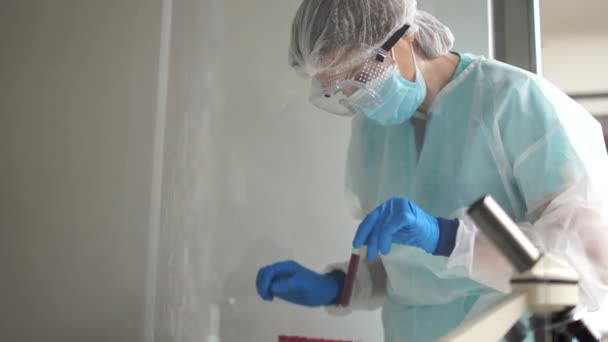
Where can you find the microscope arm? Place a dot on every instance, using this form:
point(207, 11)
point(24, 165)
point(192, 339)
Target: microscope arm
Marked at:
point(493, 324)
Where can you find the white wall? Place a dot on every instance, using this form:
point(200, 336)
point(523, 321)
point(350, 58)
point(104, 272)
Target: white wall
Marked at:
point(469, 20)
point(576, 63)
point(190, 112)
point(78, 87)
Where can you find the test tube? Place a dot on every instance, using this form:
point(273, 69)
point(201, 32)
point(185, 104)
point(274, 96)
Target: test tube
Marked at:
point(351, 275)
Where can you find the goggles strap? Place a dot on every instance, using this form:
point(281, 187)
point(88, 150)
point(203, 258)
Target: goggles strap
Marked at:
point(388, 45)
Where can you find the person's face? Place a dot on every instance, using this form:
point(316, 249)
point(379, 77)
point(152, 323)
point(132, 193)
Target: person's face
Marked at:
point(401, 55)
point(332, 89)
point(362, 72)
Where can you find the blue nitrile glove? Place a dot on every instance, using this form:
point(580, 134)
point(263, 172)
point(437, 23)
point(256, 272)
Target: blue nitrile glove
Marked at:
point(400, 221)
point(299, 285)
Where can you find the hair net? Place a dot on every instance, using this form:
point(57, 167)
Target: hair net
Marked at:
point(328, 34)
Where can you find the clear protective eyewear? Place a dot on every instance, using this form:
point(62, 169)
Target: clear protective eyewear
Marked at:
point(341, 91)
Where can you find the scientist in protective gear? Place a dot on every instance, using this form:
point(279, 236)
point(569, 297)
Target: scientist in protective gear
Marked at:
point(433, 131)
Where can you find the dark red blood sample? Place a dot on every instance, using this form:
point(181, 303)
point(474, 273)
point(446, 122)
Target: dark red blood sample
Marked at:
point(349, 281)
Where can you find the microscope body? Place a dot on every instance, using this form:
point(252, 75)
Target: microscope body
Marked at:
point(542, 286)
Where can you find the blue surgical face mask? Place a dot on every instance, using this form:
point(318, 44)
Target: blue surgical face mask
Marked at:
point(400, 99)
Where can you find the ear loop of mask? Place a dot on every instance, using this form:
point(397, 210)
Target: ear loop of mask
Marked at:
point(415, 61)
point(418, 114)
point(413, 58)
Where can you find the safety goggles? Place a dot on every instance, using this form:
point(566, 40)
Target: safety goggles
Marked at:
point(338, 91)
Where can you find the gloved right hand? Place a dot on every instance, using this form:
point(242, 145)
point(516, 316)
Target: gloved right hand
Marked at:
point(296, 284)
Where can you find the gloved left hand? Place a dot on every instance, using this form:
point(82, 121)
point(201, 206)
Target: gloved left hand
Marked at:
point(400, 221)
point(297, 284)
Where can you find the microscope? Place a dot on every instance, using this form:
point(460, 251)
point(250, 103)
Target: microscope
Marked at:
point(542, 286)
